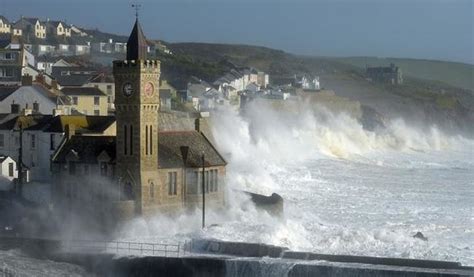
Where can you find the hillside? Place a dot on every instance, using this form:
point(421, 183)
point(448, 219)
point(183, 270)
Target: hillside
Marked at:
point(455, 74)
point(419, 100)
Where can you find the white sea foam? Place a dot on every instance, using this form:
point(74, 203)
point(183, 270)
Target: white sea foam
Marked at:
point(347, 190)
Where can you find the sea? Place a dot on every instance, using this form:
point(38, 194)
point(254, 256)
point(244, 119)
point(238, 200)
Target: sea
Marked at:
point(346, 190)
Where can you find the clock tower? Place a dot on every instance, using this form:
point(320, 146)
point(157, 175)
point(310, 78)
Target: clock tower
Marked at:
point(137, 105)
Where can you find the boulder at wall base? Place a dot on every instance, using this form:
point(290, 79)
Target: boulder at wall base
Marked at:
point(419, 235)
point(241, 249)
point(272, 204)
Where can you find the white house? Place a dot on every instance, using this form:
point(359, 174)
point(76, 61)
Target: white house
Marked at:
point(32, 99)
point(311, 84)
point(8, 167)
point(43, 134)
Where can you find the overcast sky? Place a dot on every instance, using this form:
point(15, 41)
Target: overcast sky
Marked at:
point(436, 29)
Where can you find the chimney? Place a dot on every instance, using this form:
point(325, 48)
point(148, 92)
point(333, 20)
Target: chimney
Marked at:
point(70, 130)
point(54, 85)
point(27, 111)
point(15, 108)
point(197, 124)
point(36, 107)
point(26, 80)
point(57, 112)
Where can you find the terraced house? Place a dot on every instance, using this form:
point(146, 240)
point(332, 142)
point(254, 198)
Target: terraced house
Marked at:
point(31, 26)
point(5, 26)
point(58, 28)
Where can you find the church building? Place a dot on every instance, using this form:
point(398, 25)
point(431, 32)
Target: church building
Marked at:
point(141, 170)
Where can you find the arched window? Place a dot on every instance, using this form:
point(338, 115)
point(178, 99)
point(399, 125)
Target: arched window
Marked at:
point(152, 190)
point(128, 193)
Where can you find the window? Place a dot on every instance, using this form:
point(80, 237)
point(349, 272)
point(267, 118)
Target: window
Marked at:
point(131, 139)
point(152, 190)
point(128, 193)
point(74, 100)
point(214, 180)
point(206, 180)
point(125, 138)
point(172, 183)
point(96, 100)
point(72, 168)
point(2, 140)
point(96, 112)
point(8, 56)
point(109, 89)
point(33, 141)
point(51, 142)
point(146, 140)
point(103, 169)
point(151, 140)
point(11, 167)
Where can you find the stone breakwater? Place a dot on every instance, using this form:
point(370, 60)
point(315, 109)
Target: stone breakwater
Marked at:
point(220, 258)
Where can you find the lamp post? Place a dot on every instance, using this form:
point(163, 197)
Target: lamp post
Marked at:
point(203, 194)
point(184, 154)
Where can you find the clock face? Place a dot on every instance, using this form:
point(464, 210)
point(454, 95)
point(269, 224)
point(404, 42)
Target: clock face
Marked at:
point(149, 89)
point(127, 89)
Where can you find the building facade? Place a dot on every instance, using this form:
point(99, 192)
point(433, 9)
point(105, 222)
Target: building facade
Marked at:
point(385, 74)
point(140, 170)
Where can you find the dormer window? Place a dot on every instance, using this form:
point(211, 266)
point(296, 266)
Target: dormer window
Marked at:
point(103, 169)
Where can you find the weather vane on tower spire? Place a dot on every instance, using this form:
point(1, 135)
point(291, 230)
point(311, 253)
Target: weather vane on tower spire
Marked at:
point(137, 8)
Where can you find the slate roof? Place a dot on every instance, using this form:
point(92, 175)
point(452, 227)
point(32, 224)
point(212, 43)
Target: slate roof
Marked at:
point(4, 42)
point(165, 93)
point(72, 76)
point(88, 149)
point(55, 23)
point(25, 120)
point(82, 91)
point(6, 91)
point(102, 78)
point(170, 153)
point(4, 19)
point(83, 124)
point(137, 45)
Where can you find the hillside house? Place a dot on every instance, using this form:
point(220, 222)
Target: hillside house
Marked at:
point(5, 25)
point(14, 64)
point(385, 74)
point(87, 100)
point(57, 28)
point(106, 84)
point(31, 27)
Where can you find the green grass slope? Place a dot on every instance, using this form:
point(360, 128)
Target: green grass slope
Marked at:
point(452, 73)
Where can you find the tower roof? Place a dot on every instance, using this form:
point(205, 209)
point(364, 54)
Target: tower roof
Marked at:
point(137, 45)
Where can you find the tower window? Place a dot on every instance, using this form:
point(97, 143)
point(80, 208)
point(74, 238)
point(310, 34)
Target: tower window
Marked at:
point(151, 140)
point(103, 169)
point(125, 139)
point(172, 183)
point(131, 139)
point(152, 190)
point(146, 140)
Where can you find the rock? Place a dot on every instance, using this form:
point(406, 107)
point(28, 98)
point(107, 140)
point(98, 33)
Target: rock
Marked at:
point(419, 235)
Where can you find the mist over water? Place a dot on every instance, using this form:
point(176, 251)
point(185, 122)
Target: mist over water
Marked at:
point(346, 190)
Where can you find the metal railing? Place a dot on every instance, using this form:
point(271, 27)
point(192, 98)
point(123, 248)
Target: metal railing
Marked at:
point(124, 248)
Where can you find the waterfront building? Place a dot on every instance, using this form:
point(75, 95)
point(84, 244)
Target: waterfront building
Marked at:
point(142, 169)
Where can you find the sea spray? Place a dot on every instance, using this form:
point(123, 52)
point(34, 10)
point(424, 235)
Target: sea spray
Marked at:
point(347, 190)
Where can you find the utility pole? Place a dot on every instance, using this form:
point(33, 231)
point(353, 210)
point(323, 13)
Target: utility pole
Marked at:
point(20, 162)
point(203, 194)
